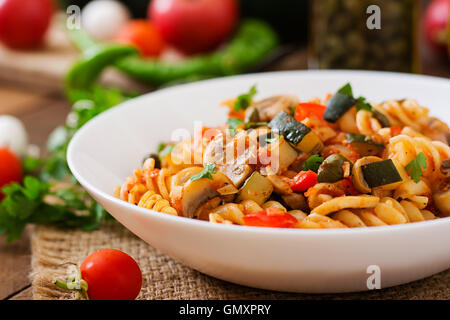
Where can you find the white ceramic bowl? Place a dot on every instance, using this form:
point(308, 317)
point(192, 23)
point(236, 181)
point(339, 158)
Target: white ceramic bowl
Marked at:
point(107, 149)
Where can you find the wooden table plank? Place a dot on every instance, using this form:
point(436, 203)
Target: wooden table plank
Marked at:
point(15, 265)
point(26, 294)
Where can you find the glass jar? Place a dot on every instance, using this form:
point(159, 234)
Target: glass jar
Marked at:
point(342, 38)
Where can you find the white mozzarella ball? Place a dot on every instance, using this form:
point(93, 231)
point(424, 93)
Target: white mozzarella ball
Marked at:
point(13, 135)
point(103, 19)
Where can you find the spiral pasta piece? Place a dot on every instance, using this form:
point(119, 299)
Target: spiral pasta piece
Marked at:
point(404, 113)
point(153, 201)
point(365, 123)
point(405, 148)
point(346, 202)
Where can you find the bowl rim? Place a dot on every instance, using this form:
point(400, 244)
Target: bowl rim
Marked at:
point(238, 228)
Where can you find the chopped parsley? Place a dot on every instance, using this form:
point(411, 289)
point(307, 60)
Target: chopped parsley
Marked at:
point(313, 163)
point(233, 124)
point(207, 172)
point(346, 89)
point(414, 168)
point(245, 99)
point(363, 105)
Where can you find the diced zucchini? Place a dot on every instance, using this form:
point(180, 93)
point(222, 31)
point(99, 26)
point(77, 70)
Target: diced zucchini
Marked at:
point(382, 119)
point(331, 170)
point(309, 143)
point(256, 188)
point(299, 135)
point(363, 144)
point(282, 149)
point(339, 104)
point(380, 173)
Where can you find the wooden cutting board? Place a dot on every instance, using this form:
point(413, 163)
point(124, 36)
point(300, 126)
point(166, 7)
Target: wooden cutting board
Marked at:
point(44, 68)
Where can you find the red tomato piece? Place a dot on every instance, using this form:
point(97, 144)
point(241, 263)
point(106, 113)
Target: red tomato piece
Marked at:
point(194, 26)
point(10, 168)
point(111, 275)
point(303, 181)
point(142, 35)
point(23, 24)
point(395, 131)
point(272, 217)
point(306, 110)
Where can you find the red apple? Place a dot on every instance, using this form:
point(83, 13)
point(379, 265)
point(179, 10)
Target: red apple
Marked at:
point(193, 26)
point(435, 24)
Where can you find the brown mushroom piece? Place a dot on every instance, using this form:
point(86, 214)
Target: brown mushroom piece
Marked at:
point(198, 192)
point(270, 107)
point(231, 158)
point(442, 202)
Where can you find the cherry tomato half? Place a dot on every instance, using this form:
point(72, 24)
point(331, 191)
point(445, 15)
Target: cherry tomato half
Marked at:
point(111, 275)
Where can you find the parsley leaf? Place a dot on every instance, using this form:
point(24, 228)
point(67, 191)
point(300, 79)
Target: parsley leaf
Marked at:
point(233, 123)
point(313, 163)
point(207, 172)
point(160, 147)
point(414, 168)
point(346, 89)
point(244, 100)
point(363, 105)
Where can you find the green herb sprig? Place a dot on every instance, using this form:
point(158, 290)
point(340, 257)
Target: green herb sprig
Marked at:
point(39, 200)
point(207, 172)
point(244, 100)
point(313, 163)
point(414, 168)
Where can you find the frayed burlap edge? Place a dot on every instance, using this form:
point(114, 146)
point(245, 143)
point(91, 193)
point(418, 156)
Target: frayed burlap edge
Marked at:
point(165, 278)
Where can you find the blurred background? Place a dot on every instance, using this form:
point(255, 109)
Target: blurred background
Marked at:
point(143, 45)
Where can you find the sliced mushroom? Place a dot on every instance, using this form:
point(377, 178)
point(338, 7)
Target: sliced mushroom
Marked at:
point(295, 201)
point(442, 202)
point(270, 107)
point(232, 157)
point(196, 193)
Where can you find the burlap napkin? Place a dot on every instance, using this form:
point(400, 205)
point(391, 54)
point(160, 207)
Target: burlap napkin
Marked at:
point(165, 278)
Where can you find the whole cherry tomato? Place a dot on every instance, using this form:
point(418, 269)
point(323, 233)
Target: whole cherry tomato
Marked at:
point(143, 36)
point(10, 168)
point(111, 275)
point(23, 23)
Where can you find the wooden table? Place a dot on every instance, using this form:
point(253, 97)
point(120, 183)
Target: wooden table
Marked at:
point(44, 107)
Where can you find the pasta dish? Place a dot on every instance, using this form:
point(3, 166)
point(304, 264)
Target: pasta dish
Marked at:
point(333, 162)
